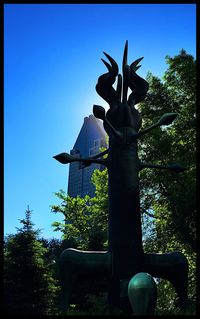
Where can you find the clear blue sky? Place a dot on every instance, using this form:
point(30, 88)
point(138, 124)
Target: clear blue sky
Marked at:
point(52, 62)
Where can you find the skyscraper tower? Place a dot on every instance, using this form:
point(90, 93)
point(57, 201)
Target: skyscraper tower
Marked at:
point(91, 137)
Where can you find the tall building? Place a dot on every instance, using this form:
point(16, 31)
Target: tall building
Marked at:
point(91, 137)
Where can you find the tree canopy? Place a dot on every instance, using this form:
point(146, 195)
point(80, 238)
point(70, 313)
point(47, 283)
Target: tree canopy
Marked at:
point(30, 287)
point(85, 219)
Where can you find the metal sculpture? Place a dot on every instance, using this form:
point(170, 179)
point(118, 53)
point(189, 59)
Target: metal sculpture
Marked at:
point(129, 270)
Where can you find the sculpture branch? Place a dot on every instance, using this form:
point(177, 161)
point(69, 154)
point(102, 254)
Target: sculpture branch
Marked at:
point(166, 119)
point(66, 158)
point(173, 167)
point(100, 154)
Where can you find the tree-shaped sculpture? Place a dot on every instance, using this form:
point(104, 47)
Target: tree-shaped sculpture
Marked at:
point(130, 271)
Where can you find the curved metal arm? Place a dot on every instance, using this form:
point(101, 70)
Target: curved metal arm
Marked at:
point(66, 158)
point(100, 154)
point(174, 167)
point(99, 112)
point(166, 119)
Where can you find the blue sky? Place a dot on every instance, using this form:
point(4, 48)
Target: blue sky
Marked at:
point(52, 62)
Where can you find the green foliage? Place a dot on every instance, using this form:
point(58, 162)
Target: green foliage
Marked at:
point(171, 196)
point(29, 284)
point(85, 219)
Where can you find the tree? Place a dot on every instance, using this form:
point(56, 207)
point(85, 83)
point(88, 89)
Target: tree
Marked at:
point(174, 194)
point(29, 285)
point(85, 219)
point(167, 196)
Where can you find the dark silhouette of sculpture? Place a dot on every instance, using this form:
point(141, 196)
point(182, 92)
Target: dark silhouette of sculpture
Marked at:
point(129, 270)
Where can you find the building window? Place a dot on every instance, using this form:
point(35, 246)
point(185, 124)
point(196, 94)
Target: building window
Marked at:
point(75, 151)
point(97, 143)
point(92, 151)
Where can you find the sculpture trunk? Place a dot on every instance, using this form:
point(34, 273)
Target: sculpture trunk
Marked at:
point(124, 211)
point(124, 218)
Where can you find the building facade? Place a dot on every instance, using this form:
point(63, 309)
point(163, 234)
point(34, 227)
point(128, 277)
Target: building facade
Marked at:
point(91, 137)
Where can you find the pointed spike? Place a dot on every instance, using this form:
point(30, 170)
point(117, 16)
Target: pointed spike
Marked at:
point(137, 67)
point(125, 56)
point(64, 158)
point(107, 65)
point(134, 64)
point(119, 86)
point(113, 63)
point(126, 70)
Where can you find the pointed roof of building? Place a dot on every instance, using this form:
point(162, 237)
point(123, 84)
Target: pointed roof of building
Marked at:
point(91, 130)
